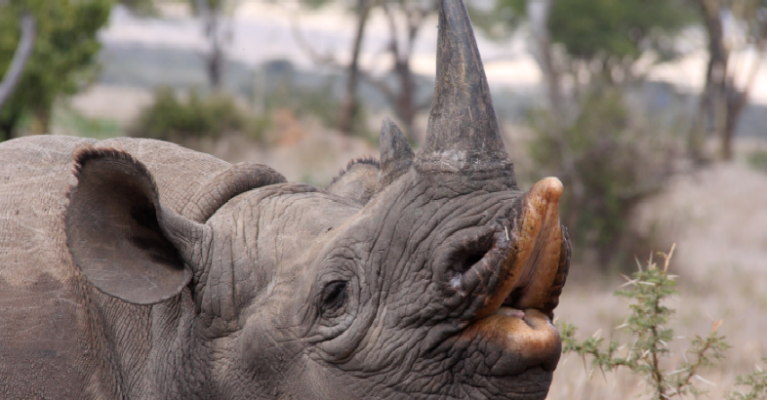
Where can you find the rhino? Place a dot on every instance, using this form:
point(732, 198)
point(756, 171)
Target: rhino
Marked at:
point(137, 269)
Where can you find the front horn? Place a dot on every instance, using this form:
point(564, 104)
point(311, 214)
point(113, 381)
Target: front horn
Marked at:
point(463, 132)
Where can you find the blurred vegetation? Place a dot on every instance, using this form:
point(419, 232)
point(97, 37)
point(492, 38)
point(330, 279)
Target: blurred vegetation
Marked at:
point(402, 92)
point(198, 114)
point(646, 351)
point(758, 160)
point(598, 36)
point(63, 59)
point(321, 101)
point(172, 118)
point(592, 135)
point(608, 157)
point(71, 121)
point(616, 31)
point(756, 381)
point(141, 7)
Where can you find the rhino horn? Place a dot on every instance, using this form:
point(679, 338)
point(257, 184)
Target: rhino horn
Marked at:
point(463, 131)
point(396, 154)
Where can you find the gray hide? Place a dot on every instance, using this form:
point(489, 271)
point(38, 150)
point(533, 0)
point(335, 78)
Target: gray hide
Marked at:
point(137, 269)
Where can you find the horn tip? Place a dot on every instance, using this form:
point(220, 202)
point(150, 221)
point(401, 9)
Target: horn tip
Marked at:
point(547, 189)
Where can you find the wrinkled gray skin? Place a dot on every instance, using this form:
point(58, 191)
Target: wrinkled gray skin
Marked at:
point(137, 269)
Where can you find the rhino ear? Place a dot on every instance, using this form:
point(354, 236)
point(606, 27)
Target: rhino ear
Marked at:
point(396, 154)
point(358, 181)
point(126, 244)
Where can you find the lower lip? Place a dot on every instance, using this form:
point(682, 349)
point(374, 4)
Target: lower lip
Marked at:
point(511, 312)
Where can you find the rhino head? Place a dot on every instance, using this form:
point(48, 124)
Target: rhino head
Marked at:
point(431, 276)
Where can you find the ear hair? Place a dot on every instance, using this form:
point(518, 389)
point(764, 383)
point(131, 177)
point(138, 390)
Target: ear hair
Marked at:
point(358, 181)
point(369, 160)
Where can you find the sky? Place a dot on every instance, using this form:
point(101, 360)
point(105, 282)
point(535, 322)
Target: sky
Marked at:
point(264, 31)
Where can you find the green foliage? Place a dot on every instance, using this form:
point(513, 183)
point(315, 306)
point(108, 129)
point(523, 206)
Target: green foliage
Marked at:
point(216, 6)
point(608, 36)
point(169, 118)
point(70, 120)
point(608, 159)
point(320, 102)
point(502, 20)
point(63, 58)
point(141, 7)
point(648, 327)
point(757, 159)
point(756, 380)
point(620, 29)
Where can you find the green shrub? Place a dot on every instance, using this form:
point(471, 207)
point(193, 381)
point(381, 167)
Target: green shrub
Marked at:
point(757, 381)
point(647, 350)
point(170, 118)
point(757, 159)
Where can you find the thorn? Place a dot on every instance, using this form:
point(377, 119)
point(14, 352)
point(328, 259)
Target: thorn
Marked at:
point(715, 323)
point(668, 257)
point(507, 233)
point(700, 378)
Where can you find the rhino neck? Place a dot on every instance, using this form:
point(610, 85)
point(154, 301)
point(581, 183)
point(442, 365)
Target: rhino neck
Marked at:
point(178, 363)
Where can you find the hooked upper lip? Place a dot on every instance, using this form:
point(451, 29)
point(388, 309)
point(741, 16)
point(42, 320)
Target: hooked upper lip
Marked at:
point(518, 282)
point(527, 265)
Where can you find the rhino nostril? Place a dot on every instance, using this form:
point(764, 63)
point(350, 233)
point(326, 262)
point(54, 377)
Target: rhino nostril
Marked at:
point(463, 261)
point(471, 253)
point(470, 260)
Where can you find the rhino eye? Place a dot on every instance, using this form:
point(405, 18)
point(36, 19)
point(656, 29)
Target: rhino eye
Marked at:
point(334, 296)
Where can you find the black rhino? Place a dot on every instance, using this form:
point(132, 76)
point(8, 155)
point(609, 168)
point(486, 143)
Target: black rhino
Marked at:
point(136, 269)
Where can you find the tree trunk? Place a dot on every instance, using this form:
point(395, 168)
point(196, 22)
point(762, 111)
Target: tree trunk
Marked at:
point(350, 104)
point(216, 57)
point(736, 103)
point(20, 58)
point(712, 113)
point(538, 14)
point(41, 124)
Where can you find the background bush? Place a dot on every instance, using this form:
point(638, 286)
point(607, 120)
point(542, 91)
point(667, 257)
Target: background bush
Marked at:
point(172, 118)
point(609, 157)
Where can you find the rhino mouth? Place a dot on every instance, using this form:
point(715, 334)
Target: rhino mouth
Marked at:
point(517, 284)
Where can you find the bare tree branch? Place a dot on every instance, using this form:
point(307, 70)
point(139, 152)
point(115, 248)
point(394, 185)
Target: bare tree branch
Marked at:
point(350, 104)
point(379, 84)
point(393, 43)
point(219, 33)
point(20, 57)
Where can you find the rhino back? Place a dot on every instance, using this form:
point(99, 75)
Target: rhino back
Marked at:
point(59, 337)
